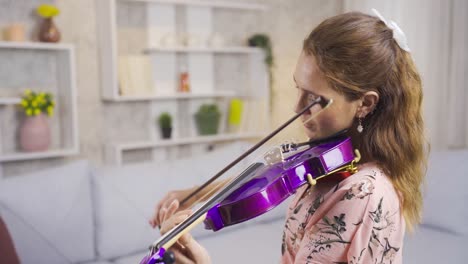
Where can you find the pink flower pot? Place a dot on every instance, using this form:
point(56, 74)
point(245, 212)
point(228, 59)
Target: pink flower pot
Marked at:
point(35, 133)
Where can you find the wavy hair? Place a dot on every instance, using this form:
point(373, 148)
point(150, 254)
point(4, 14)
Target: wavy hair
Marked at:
point(357, 53)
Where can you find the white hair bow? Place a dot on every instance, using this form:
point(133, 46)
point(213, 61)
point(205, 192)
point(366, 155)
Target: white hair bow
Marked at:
point(398, 34)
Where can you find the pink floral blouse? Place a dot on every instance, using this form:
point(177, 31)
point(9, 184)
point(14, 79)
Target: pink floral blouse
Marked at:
point(357, 220)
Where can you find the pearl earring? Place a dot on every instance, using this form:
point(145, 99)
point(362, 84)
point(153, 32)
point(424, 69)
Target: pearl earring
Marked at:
point(360, 128)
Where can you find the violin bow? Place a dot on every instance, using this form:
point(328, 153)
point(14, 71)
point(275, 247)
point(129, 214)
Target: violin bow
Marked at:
point(320, 100)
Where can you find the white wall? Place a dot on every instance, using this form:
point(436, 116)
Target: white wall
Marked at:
point(287, 22)
point(428, 25)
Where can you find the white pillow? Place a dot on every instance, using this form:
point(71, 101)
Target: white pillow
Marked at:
point(446, 194)
point(125, 198)
point(49, 214)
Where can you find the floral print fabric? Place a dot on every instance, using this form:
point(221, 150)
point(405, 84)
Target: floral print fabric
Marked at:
point(357, 220)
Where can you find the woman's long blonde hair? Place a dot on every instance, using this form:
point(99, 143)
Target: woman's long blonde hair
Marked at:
point(357, 53)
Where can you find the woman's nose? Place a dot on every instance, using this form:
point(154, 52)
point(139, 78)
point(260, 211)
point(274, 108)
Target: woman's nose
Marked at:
point(299, 105)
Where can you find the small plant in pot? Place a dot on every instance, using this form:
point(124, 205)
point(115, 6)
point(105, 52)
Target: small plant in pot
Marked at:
point(207, 119)
point(165, 123)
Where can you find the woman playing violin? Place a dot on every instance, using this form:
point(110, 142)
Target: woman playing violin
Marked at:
point(363, 63)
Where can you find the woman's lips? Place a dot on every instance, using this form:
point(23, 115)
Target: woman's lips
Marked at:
point(309, 125)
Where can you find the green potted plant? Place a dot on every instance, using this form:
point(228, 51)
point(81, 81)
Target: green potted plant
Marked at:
point(263, 41)
point(165, 124)
point(207, 119)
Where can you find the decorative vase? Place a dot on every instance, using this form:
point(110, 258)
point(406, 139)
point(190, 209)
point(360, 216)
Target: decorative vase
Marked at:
point(35, 133)
point(207, 123)
point(166, 132)
point(48, 31)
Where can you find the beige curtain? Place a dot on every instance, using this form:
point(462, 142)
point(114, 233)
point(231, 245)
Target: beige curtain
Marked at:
point(438, 37)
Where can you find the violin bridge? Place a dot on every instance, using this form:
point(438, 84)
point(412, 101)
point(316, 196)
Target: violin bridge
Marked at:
point(273, 156)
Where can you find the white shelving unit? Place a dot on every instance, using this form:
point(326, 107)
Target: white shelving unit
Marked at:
point(35, 46)
point(162, 18)
point(61, 58)
point(37, 155)
point(228, 50)
point(217, 4)
point(175, 96)
point(9, 101)
point(116, 150)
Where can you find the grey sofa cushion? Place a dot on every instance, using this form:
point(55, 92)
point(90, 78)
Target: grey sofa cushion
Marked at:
point(445, 195)
point(429, 245)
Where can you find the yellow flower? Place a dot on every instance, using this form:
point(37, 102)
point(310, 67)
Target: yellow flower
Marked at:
point(47, 11)
point(35, 103)
point(50, 111)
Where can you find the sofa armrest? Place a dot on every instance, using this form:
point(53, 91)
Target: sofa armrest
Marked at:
point(7, 249)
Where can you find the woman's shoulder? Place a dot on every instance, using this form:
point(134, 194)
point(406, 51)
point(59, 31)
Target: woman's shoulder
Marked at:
point(369, 183)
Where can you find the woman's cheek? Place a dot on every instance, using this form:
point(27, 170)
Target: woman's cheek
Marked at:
point(328, 122)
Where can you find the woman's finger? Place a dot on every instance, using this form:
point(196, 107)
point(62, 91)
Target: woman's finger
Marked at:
point(156, 216)
point(162, 215)
point(173, 205)
point(181, 258)
point(171, 209)
point(174, 220)
point(168, 199)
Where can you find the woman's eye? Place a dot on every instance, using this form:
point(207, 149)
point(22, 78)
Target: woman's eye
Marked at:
point(311, 97)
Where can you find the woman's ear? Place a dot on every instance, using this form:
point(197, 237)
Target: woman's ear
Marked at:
point(368, 103)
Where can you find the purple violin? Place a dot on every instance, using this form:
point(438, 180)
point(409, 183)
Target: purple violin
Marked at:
point(263, 185)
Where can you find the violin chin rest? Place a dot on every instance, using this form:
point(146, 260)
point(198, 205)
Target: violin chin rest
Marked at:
point(169, 257)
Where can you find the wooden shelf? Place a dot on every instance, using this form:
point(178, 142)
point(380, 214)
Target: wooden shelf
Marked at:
point(181, 49)
point(215, 4)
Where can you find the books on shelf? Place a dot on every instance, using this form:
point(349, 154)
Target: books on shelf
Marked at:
point(248, 115)
point(134, 74)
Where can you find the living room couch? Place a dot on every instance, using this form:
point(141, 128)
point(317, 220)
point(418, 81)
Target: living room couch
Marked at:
point(81, 213)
